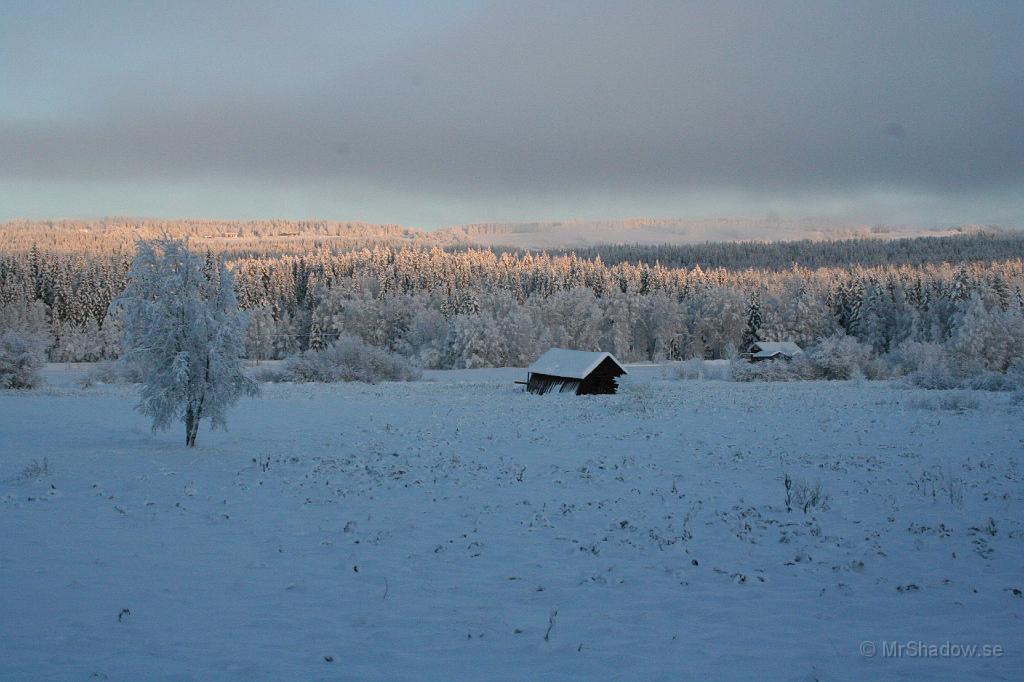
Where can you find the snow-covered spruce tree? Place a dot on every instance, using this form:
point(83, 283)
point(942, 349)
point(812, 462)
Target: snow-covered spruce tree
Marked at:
point(752, 333)
point(183, 331)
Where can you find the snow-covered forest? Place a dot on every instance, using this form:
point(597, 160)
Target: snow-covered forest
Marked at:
point(466, 308)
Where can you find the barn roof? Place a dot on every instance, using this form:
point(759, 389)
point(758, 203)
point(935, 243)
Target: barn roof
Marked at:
point(574, 364)
point(770, 348)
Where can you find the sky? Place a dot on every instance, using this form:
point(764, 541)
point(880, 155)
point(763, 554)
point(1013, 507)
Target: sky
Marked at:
point(439, 113)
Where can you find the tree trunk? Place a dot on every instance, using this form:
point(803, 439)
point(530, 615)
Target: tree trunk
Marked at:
point(191, 427)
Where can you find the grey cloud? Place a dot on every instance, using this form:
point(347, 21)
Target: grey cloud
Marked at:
point(541, 98)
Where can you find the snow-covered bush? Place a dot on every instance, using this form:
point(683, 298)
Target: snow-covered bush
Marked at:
point(111, 373)
point(1011, 380)
point(348, 359)
point(766, 370)
point(993, 381)
point(954, 401)
point(691, 369)
point(925, 365)
point(22, 355)
point(716, 370)
point(87, 342)
point(838, 357)
point(944, 367)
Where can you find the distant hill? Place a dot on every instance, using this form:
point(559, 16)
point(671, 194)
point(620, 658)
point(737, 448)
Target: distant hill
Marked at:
point(582, 233)
point(280, 237)
point(231, 237)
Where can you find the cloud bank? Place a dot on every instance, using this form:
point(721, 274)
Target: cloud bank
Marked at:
point(457, 112)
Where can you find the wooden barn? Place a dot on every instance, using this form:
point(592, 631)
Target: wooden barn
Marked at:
point(773, 350)
point(574, 371)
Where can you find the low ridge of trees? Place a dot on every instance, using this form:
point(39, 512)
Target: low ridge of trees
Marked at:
point(776, 255)
point(475, 307)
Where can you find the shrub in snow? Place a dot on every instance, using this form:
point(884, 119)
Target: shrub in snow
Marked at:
point(1011, 380)
point(839, 357)
point(35, 469)
point(1016, 373)
point(717, 370)
point(121, 372)
point(804, 496)
point(925, 365)
point(270, 374)
point(935, 366)
point(22, 355)
point(955, 401)
point(993, 381)
point(88, 342)
point(766, 370)
point(691, 369)
point(184, 333)
point(347, 359)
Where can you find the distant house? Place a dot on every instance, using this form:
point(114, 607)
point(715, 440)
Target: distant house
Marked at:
point(574, 371)
point(773, 350)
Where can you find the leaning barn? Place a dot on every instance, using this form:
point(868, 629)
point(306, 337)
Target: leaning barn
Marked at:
point(574, 371)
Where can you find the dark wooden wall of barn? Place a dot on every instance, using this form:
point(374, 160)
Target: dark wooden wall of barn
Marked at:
point(604, 379)
point(545, 383)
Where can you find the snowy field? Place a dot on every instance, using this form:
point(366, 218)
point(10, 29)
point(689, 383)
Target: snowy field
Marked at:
point(458, 528)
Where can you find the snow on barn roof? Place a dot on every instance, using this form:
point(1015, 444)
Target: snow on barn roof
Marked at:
point(574, 364)
point(769, 348)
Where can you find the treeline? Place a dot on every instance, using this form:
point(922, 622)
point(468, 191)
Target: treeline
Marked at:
point(976, 247)
point(472, 308)
point(232, 239)
point(273, 238)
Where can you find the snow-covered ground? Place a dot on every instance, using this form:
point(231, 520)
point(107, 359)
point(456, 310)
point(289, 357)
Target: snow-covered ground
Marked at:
point(459, 528)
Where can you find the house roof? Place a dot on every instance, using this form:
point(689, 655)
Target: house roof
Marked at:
point(767, 349)
point(574, 364)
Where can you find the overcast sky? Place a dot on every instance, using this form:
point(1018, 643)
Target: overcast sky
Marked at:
point(434, 113)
